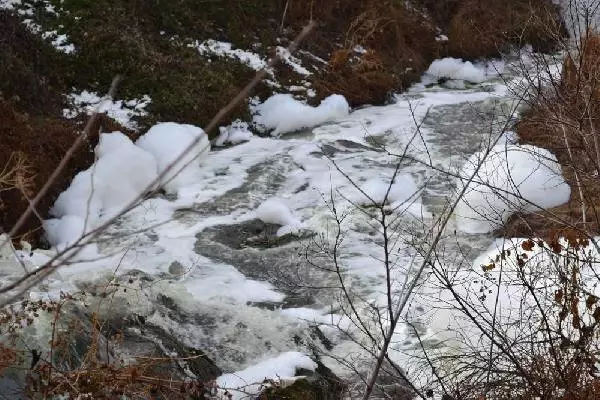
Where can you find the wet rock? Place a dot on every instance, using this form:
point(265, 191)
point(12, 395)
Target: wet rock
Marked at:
point(265, 305)
point(254, 249)
point(328, 150)
point(177, 269)
point(254, 233)
point(351, 145)
point(322, 384)
point(317, 334)
point(391, 384)
point(345, 146)
point(177, 359)
point(302, 188)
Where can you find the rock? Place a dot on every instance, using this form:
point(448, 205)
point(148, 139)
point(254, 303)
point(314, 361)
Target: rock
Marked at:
point(177, 269)
point(254, 233)
point(147, 340)
point(254, 249)
point(322, 384)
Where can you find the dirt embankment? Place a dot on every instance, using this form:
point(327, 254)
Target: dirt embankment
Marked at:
point(367, 49)
point(401, 39)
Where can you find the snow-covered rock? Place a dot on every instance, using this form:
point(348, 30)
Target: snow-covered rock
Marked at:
point(250, 380)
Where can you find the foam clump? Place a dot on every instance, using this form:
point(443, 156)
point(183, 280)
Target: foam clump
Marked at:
point(166, 142)
point(122, 173)
point(235, 133)
point(511, 178)
point(275, 211)
point(457, 72)
point(281, 113)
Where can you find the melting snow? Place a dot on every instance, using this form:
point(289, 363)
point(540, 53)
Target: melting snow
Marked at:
point(292, 61)
point(225, 49)
point(59, 41)
point(121, 111)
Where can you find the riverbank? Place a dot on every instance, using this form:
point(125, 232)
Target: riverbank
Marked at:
point(182, 62)
point(563, 118)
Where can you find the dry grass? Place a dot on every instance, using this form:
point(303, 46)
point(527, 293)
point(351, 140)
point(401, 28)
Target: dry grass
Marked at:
point(362, 79)
point(17, 174)
point(402, 38)
point(487, 28)
point(399, 41)
point(565, 119)
point(30, 149)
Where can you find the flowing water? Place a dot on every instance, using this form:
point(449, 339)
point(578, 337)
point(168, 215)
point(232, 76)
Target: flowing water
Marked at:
point(203, 268)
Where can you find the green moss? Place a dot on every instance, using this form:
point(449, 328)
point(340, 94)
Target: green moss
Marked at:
point(147, 42)
point(300, 390)
point(29, 72)
point(320, 385)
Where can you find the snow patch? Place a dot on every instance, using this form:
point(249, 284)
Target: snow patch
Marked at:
point(292, 61)
point(121, 111)
point(224, 49)
point(59, 41)
point(281, 113)
point(359, 49)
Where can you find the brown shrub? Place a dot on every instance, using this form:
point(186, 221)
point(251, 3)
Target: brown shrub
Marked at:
point(339, 59)
point(399, 40)
point(565, 120)
point(580, 85)
point(403, 38)
point(37, 145)
point(362, 81)
point(488, 28)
